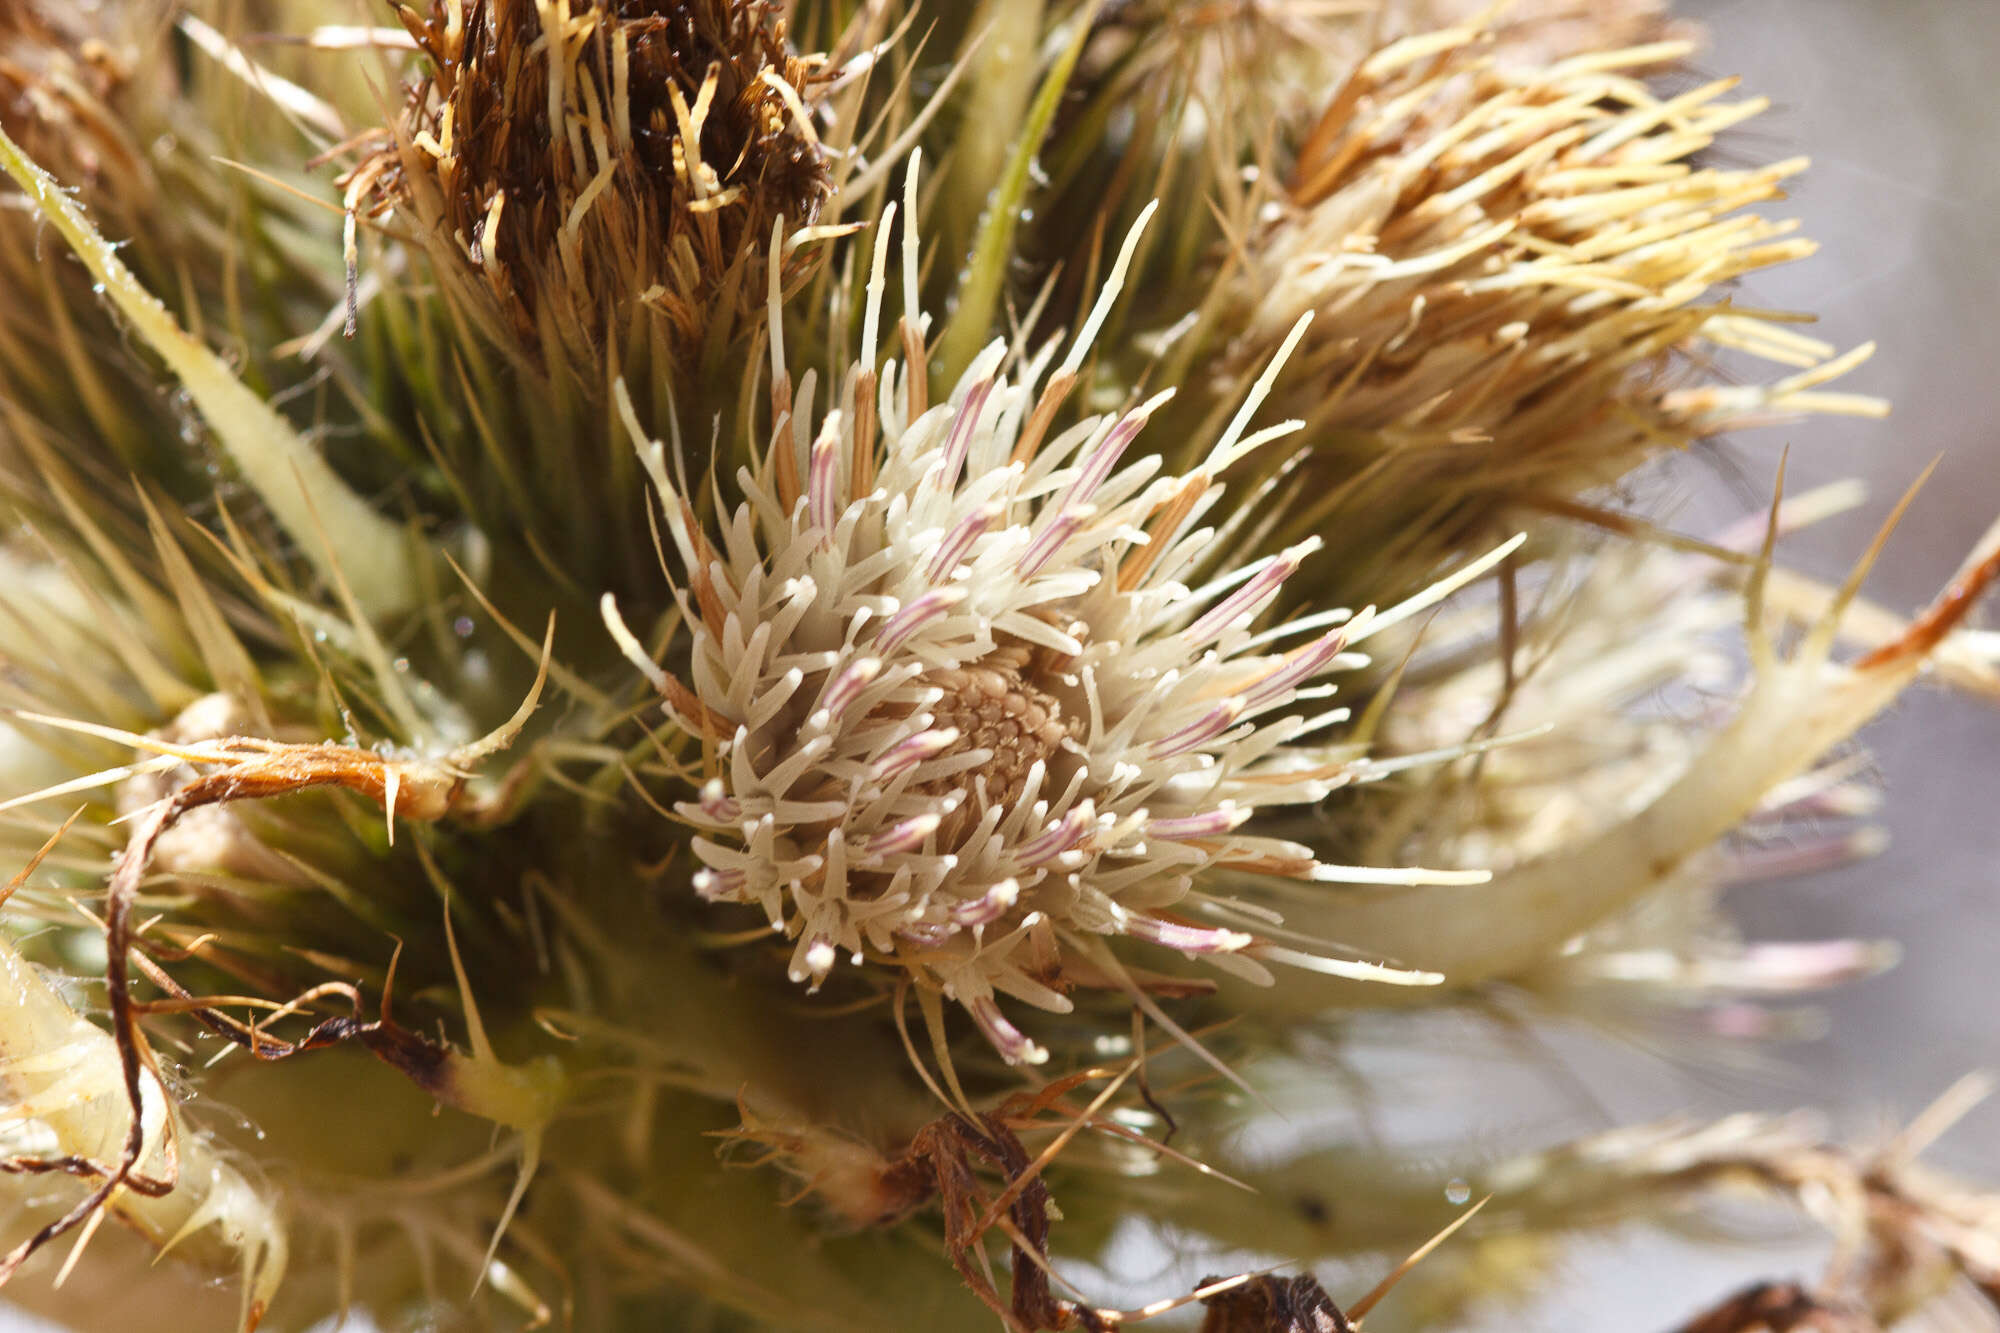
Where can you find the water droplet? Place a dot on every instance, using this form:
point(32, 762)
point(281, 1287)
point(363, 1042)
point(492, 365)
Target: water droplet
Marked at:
point(462, 627)
point(401, 664)
point(1112, 1047)
point(1457, 1191)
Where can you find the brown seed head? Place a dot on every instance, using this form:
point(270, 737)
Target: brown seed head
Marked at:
point(62, 66)
point(573, 166)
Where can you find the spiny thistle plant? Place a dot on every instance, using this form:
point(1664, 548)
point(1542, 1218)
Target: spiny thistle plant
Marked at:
point(749, 665)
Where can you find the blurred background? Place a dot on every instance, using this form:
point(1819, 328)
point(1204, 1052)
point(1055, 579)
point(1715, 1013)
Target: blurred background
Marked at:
point(1895, 102)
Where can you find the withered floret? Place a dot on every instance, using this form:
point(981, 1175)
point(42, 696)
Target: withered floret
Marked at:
point(61, 67)
point(574, 169)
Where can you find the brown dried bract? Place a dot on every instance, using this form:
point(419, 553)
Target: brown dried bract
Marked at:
point(249, 768)
point(941, 1161)
point(570, 167)
point(60, 74)
point(1273, 1304)
point(1777, 1307)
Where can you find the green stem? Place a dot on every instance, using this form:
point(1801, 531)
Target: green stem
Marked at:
point(996, 102)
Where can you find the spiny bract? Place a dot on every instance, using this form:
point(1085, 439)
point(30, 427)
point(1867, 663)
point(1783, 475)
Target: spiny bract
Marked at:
point(967, 711)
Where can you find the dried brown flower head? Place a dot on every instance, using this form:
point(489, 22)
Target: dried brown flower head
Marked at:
point(61, 66)
point(1512, 268)
point(569, 167)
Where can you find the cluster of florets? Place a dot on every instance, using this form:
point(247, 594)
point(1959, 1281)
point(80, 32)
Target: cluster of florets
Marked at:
point(976, 698)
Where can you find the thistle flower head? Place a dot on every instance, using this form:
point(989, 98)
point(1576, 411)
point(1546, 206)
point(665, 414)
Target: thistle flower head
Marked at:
point(568, 167)
point(1511, 261)
point(974, 696)
point(1300, 47)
